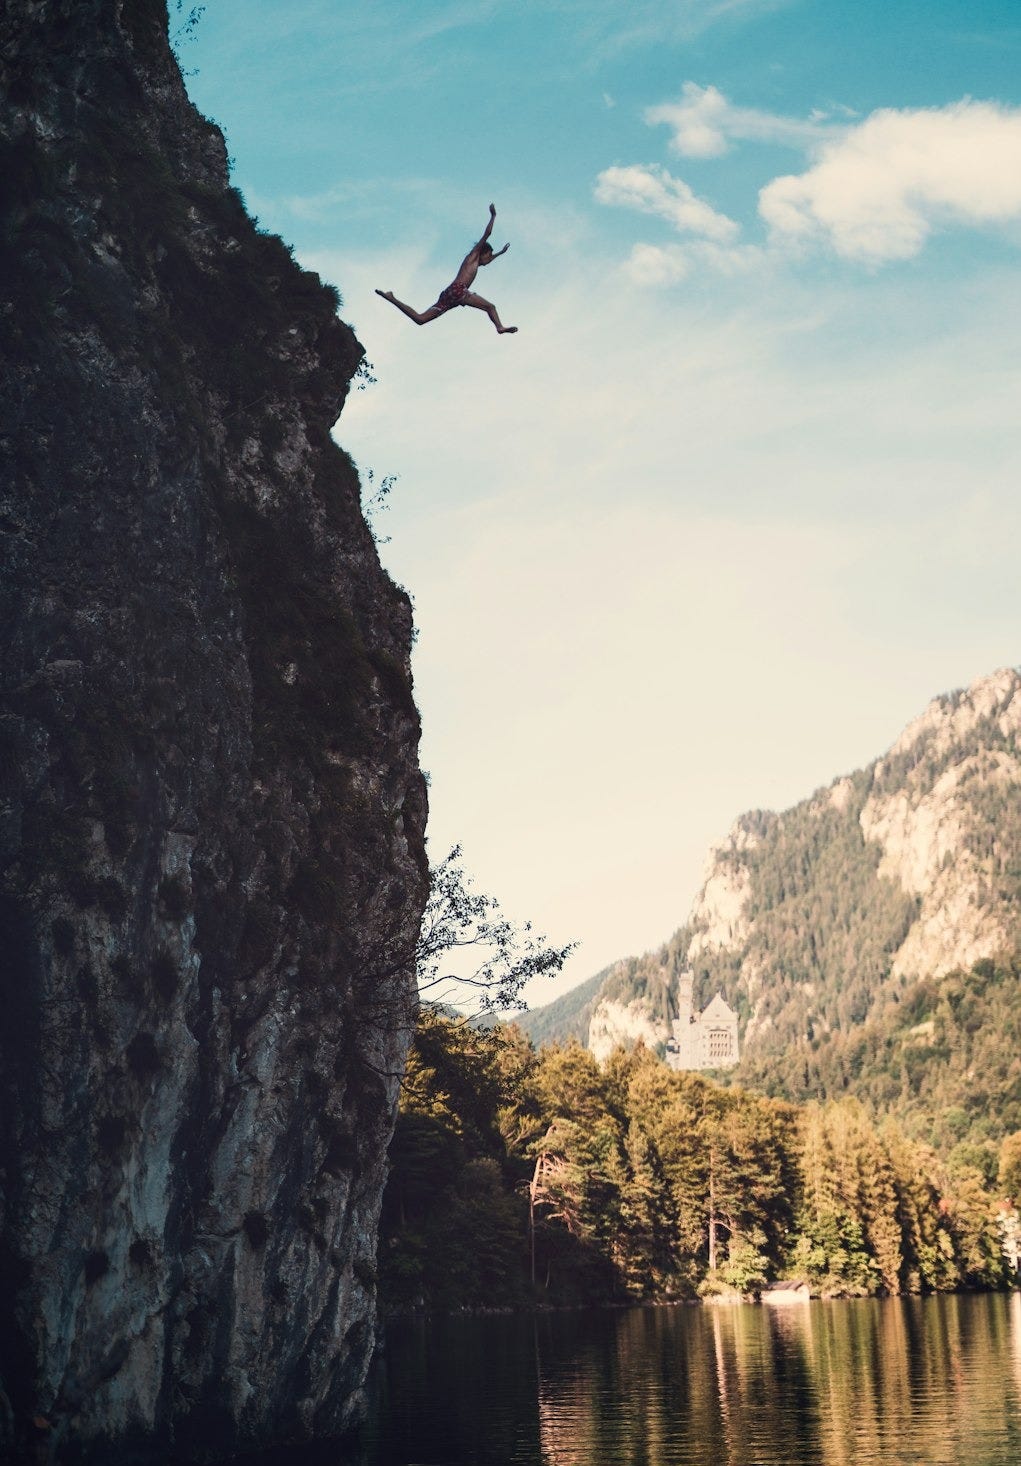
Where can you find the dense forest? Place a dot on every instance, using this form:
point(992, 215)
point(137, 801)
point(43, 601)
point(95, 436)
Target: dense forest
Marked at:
point(943, 1056)
point(523, 1176)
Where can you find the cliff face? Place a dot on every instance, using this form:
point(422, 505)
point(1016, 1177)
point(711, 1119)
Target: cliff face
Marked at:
point(945, 808)
point(211, 828)
point(622, 1025)
point(810, 920)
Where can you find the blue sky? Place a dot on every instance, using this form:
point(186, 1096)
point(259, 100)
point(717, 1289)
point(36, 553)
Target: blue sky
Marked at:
point(741, 495)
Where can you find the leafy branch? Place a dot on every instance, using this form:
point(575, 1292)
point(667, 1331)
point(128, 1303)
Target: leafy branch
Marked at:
point(186, 30)
point(467, 948)
point(376, 500)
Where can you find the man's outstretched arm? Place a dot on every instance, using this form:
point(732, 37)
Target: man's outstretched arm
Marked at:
point(489, 226)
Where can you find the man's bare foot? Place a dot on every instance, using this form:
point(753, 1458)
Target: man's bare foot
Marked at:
point(386, 294)
point(507, 330)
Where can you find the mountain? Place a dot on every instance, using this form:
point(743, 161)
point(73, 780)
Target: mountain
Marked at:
point(212, 864)
point(566, 1017)
point(813, 922)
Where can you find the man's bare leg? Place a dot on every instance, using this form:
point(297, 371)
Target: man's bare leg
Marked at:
point(481, 304)
point(420, 318)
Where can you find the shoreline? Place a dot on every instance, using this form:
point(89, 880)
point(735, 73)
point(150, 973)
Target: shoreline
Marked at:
point(715, 1300)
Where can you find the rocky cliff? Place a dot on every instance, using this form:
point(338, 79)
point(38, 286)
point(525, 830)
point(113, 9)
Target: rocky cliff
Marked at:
point(809, 921)
point(211, 814)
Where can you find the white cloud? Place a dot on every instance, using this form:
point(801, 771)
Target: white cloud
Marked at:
point(730, 259)
point(704, 121)
point(652, 190)
point(650, 264)
point(877, 192)
point(656, 265)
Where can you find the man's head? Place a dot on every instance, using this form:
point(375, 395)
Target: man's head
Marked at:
point(485, 253)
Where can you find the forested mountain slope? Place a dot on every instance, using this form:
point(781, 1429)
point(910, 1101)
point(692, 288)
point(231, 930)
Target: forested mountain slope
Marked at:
point(815, 921)
point(943, 1056)
point(566, 1017)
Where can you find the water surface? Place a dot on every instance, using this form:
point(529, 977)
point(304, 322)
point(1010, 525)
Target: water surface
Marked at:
point(933, 1381)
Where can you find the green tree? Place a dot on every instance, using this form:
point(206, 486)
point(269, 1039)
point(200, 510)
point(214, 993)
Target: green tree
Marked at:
point(454, 1223)
point(972, 1222)
point(929, 1263)
point(829, 1243)
point(1009, 1170)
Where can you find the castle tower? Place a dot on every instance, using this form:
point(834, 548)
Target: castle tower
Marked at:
point(683, 1048)
point(685, 984)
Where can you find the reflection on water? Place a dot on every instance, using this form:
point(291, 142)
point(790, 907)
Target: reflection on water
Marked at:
point(933, 1381)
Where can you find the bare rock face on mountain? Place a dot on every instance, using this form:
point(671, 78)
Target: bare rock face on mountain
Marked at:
point(810, 920)
point(946, 811)
point(622, 1025)
point(211, 816)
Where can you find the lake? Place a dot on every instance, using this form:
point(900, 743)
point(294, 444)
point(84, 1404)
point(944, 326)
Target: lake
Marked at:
point(933, 1381)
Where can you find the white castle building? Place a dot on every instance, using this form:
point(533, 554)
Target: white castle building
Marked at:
point(706, 1040)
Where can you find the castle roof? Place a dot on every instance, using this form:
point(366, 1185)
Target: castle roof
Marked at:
point(719, 1009)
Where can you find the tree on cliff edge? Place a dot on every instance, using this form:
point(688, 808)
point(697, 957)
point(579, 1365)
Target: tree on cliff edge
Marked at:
point(469, 953)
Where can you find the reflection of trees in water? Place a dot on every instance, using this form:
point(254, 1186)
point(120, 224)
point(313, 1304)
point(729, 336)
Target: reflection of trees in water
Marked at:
point(609, 1399)
point(723, 1390)
point(600, 1401)
point(849, 1382)
point(840, 1384)
point(906, 1379)
point(558, 1414)
point(1015, 1339)
point(652, 1387)
point(764, 1400)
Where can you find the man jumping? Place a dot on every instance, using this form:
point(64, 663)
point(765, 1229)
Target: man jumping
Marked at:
point(458, 293)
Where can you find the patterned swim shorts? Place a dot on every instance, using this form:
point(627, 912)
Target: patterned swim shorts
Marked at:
point(453, 295)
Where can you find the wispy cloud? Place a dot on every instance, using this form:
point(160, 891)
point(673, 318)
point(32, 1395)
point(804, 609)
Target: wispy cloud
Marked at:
point(704, 123)
point(877, 192)
point(611, 29)
point(451, 17)
point(654, 264)
point(652, 190)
